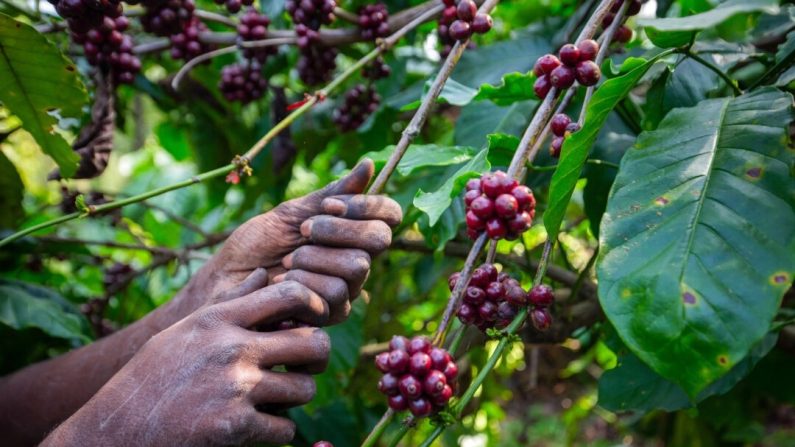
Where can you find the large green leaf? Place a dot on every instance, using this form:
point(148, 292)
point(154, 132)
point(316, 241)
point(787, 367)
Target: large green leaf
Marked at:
point(578, 145)
point(10, 194)
point(435, 203)
point(678, 31)
point(28, 306)
point(35, 81)
point(681, 86)
point(453, 92)
point(632, 385)
point(698, 239)
point(479, 119)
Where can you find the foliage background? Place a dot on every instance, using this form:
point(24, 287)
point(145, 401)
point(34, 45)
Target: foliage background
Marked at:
point(577, 386)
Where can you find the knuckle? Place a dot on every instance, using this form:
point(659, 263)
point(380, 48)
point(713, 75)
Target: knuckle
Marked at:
point(296, 294)
point(209, 318)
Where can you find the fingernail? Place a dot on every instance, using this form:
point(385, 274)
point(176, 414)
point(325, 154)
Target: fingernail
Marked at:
point(279, 278)
point(287, 261)
point(335, 207)
point(306, 229)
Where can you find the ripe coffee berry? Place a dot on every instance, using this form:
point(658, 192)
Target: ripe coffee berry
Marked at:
point(562, 77)
point(541, 318)
point(312, 13)
point(466, 10)
point(497, 299)
point(460, 30)
point(360, 102)
point(185, 44)
point(417, 376)
point(482, 23)
point(498, 205)
point(545, 64)
point(254, 26)
point(541, 295)
point(588, 49)
point(569, 54)
point(623, 34)
point(322, 444)
point(376, 70)
point(556, 146)
point(559, 123)
point(542, 86)
point(373, 21)
point(242, 83)
point(588, 73)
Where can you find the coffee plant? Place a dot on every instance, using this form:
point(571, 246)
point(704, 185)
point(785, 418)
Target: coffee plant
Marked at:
point(598, 245)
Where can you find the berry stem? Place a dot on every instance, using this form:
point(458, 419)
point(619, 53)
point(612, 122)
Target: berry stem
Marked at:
point(346, 15)
point(592, 25)
point(458, 290)
point(709, 65)
point(379, 428)
point(404, 428)
point(421, 115)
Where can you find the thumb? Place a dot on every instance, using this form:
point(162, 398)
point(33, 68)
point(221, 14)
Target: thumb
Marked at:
point(354, 183)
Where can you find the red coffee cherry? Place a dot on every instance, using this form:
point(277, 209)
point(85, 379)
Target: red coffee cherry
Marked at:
point(483, 207)
point(474, 296)
point(562, 77)
point(495, 228)
point(542, 86)
point(410, 387)
point(506, 206)
point(559, 123)
point(398, 361)
point(588, 73)
point(569, 54)
point(382, 362)
point(541, 318)
point(419, 344)
point(482, 23)
point(460, 30)
point(623, 34)
point(541, 295)
point(420, 364)
point(420, 407)
point(434, 383)
point(388, 384)
point(398, 402)
point(322, 444)
point(545, 64)
point(556, 146)
point(588, 49)
point(466, 10)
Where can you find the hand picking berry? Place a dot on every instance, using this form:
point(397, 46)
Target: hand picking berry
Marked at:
point(417, 376)
point(490, 299)
point(498, 205)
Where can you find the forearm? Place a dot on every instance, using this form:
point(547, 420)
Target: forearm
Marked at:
point(39, 397)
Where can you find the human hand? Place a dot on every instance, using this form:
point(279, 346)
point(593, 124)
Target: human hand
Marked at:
point(345, 230)
point(198, 382)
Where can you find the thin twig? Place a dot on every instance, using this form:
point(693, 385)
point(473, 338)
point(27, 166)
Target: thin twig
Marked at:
point(709, 65)
point(346, 15)
point(198, 60)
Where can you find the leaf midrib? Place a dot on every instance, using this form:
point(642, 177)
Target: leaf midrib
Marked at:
point(702, 198)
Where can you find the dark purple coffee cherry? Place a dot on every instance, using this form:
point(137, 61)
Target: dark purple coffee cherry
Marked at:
point(542, 86)
point(541, 318)
point(398, 402)
point(562, 77)
point(490, 270)
point(441, 399)
point(388, 384)
point(607, 20)
point(434, 383)
point(398, 361)
point(558, 124)
point(439, 358)
point(399, 343)
point(452, 280)
point(474, 296)
point(541, 295)
point(470, 196)
point(588, 73)
point(419, 344)
point(460, 30)
point(506, 311)
point(588, 49)
point(569, 54)
point(382, 362)
point(556, 146)
point(410, 387)
point(480, 278)
point(521, 222)
point(623, 34)
point(488, 311)
point(516, 296)
point(420, 408)
point(468, 314)
point(495, 291)
point(573, 127)
point(466, 10)
point(473, 184)
point(545, 64)
point(451, 371)
point(482, 23)
point(420, 364)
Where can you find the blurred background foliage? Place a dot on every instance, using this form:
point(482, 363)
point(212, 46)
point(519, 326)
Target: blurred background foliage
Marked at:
point(57, 291)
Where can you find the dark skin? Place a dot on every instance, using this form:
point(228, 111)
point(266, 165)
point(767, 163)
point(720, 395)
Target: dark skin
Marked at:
point(197, 359)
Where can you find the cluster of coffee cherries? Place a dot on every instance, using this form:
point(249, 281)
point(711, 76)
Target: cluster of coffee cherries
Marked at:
point(499, 205)
point(373, 21)
point(254, 26)
point(312, 13)
point(574, 63)
point(108, 47)
point(491, 299)
point(467, 20)
point(540, 298)
point(166, 17)
point(417, 376)
point(317, 61)
point(84, 15)
point(185, 44)
point(242, 82)
point(561, 126)
point(359, 103)
point(623, 33)
point(376, 70)
point(234, 6)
